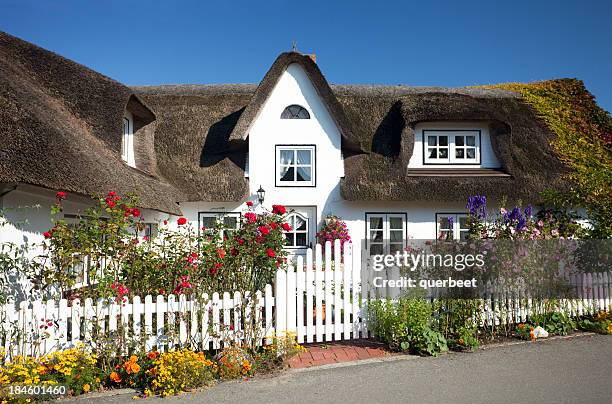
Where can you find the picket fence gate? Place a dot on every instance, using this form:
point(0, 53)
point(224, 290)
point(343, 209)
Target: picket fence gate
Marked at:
point(320, 298)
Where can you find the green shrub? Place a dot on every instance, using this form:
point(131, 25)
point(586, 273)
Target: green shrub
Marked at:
point(406, 325)
point(456, 321)
point(555, 323)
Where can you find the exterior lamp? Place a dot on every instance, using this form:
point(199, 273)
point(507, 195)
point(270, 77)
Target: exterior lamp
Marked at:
point(261, 195)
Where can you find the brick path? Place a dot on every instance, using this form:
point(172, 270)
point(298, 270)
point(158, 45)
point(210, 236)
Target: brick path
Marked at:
point(337, 352)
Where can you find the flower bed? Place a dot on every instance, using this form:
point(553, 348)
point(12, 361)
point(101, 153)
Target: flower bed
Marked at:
point(154, 373)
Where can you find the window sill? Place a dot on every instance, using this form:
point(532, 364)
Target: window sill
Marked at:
point(456, 172)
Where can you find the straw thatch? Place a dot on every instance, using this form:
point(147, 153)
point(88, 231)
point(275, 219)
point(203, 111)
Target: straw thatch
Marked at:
point(61, 128)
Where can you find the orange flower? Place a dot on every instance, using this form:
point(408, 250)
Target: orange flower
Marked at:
point(131, 367)
point(114, 376)
point(521, 326)
point(153, 355)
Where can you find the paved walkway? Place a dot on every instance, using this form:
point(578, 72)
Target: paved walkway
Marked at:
point(338, 352)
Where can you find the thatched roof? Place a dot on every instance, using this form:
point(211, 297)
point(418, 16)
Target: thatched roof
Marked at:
point(61, 128)
point(194, 123)
point(385, 117)
point(265, 87)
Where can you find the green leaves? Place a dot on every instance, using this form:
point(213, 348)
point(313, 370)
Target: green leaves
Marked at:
point(582, 143)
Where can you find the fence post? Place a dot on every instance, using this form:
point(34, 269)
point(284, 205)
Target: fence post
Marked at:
point(281, 302)
point(161, 329)
point(269, 307)
point(148, 318)
point(346, 283)
point(300, 276)
point(310, 288)
point(291, 300)
point(337, 317)
point(328, 292)
point(319, 292)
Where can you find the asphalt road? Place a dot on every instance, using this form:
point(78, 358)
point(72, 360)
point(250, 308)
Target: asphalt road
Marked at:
point(576, 370)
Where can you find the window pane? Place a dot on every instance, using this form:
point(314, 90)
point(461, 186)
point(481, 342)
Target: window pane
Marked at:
point(459, 140)
point(286, 157)
point(208, 221)
point(289, 174)
point(443, 153)
point(300, 223)
point(376, 223)
point(300, 239)
point(376, 249)
point(303, 156)
point(471, 140)
point(471, 153)
point(459, 153)
point(303, 173)
point(463, 222)
point(396, 235)
point(463, 235)
point(443, 140)
point(431, 140)
point(394, 247)
point(433, 153)
point(230, 222)
point(443, 222)
point(444, 234)
point(396, 223)
point(376, 235)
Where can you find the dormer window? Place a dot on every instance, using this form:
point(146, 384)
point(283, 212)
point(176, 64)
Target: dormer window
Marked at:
point(295, 112)
point(451, 147)
point(127, 141)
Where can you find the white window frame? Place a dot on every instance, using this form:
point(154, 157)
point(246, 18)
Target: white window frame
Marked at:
point(295, 148)
point(127, 141)
point(218, 216)
point(386, 232)
point(457, 230)
point(295, 231)
point(82, 268)
point(452, 147)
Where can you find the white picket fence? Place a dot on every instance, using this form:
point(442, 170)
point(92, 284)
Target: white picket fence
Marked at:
point(329, 302)
point(320, 298)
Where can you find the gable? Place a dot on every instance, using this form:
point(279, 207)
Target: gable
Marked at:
point(294, 87)
point(269, 82)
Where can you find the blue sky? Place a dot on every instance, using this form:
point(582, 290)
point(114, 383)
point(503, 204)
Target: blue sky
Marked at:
point(446, 43)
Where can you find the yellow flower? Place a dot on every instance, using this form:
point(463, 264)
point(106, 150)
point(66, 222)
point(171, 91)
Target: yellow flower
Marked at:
point(86, 388)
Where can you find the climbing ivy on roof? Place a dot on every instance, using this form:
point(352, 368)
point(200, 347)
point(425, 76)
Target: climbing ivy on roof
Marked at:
point(583, 142)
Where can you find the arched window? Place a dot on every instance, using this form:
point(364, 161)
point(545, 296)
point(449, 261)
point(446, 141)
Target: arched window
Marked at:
point(298, 236)
point(295, 112)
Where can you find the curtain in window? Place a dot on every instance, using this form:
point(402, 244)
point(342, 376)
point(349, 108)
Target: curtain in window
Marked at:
point(286, 158)
point(303, 157)
point(300, 223)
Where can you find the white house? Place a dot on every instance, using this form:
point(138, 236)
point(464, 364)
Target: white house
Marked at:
point(393, 161)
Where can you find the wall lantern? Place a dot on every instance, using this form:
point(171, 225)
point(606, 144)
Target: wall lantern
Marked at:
point(261, 195)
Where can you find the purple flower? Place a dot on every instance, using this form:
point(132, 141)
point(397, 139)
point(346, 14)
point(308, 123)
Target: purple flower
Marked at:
point(477, 206)
point(515, 214)
point(451, 222)
point(528, 210)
